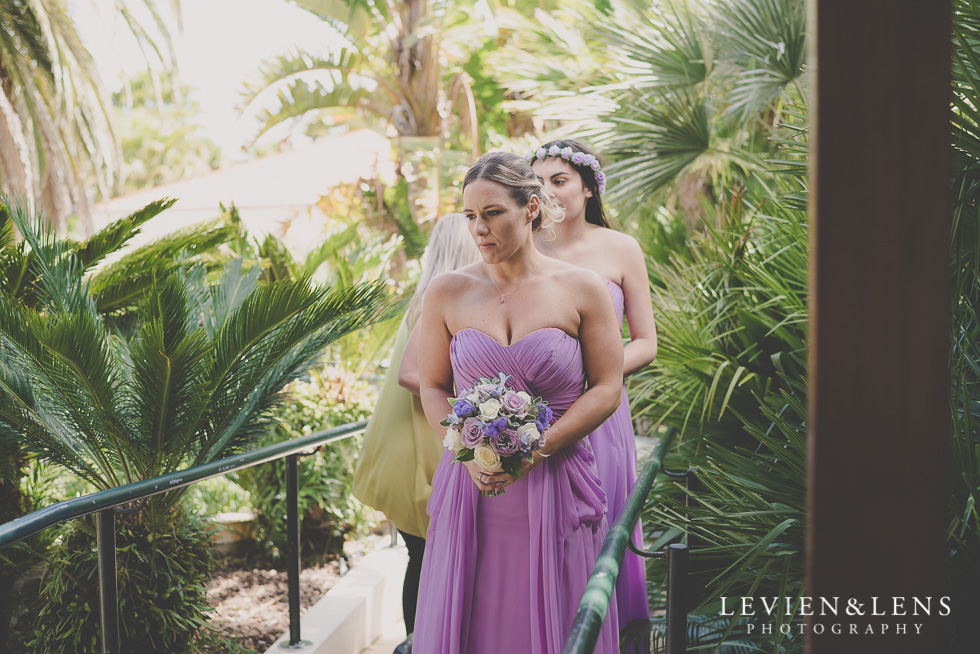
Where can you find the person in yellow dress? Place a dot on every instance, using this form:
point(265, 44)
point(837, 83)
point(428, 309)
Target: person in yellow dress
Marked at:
point(400, 451)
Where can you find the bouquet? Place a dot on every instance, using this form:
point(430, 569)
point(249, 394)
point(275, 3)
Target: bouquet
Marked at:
point(496, 426)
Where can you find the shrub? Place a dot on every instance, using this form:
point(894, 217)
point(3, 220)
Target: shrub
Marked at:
point(329, 511)
point(162, 568)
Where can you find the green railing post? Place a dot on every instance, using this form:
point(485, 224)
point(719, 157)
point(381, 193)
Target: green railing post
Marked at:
point(105, 535)
point(293, 553)
point(676, 634)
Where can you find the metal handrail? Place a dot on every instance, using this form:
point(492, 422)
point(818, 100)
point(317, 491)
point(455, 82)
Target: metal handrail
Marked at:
point(599, 589)
point(30, 524)
point(104, 502)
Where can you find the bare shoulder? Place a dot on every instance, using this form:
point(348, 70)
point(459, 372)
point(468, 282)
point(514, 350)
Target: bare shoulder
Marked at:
point(581, 282)
point(453, 282)
point(616, 242)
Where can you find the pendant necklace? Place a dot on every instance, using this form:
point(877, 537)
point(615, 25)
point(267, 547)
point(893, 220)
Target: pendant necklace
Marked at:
point(504, 295)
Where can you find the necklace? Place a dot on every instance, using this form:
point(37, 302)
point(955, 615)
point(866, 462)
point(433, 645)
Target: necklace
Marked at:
point(504, 295)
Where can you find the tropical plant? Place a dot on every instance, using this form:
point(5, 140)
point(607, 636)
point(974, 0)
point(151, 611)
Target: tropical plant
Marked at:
point(56, 131)
point(963, 535)
point(402, 68)
point(198, 378)
point(119, 286)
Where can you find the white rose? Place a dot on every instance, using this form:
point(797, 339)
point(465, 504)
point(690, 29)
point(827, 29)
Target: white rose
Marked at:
point(486, 458)
point(452, 441)
point(473, 398)
point(527, 400)
point(490, 409)
point(530, 430)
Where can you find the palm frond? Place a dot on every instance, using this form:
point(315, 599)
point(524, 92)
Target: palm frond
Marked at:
point(112, 237)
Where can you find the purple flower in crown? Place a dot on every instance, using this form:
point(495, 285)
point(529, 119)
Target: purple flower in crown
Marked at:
point(529, 156)
point(472, 432)
point(542, 153)
point(578, 157)
point(600, 176)
point(595, 165)
point(566, 152)
point(463, 408)
point(554, 151)
point(506, 443)
point(495, 427)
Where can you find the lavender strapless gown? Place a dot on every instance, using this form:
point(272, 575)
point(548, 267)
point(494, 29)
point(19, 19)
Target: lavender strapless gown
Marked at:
point(615, 455)
point(505, 574)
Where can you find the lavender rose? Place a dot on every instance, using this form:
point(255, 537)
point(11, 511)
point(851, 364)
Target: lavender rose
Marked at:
point(472, 433)
point(506, 443)
point(513, 403)
point(578, 157)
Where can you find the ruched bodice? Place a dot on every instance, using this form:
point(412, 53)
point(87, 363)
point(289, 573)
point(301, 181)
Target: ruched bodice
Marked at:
point(546, 363)
point(520, 560)
point(619, 302)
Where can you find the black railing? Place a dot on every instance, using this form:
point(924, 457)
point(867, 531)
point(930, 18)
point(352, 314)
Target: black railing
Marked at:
point(598, 592)
point(104, 504)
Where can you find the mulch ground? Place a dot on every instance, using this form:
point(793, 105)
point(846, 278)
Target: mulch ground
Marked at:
point(252, 606)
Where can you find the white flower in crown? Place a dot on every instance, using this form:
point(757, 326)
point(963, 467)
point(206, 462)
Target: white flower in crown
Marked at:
point(542, 153)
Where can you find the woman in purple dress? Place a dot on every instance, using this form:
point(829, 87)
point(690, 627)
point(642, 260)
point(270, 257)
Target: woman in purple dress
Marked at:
point(505, 574)
point(572, 176)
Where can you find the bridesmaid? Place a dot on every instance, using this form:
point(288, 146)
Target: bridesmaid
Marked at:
point(571, 174)
point(505, 574)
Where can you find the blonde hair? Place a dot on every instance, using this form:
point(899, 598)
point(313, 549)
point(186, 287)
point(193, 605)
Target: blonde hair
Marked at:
point(515, 174)
point(450, 247)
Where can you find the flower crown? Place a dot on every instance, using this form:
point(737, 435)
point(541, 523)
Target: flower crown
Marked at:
point(572, 156)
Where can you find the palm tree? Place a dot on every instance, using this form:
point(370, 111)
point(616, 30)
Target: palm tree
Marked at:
point(198, 379)
point(394, 73)
point(56, 129)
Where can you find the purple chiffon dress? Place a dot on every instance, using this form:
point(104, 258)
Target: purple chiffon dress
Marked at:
point(615, 456)
point(505, 574)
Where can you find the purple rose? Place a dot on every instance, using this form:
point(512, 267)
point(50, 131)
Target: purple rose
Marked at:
point(472, 433)
point(494, 427)
point(578, 157)
point(506, 443)
point(513, 403)
point(463, 408)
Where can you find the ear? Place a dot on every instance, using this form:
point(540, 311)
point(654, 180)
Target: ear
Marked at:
point(533, 208)
point(588, 192)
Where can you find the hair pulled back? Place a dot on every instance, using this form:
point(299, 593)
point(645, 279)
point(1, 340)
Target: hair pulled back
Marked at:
point(515, 174)
point(594, 211)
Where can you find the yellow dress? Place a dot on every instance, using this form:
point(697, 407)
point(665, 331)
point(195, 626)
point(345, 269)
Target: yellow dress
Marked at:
point(400, 452)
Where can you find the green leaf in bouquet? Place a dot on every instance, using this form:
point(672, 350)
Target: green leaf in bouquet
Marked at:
point(512, 465)
point(445, 423)
point(465, 454)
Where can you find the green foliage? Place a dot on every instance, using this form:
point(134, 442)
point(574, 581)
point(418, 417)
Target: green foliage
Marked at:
point(161, 142)
point(198, 378)
point(57, 138)
point(328, 510)
point(163, 569)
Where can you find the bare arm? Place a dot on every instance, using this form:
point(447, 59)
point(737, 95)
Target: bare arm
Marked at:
point(408, 370)
point(642, 348)
point(435, 368)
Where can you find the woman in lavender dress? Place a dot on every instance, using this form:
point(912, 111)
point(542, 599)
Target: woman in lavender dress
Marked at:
point(505, 574)
point(570, 173)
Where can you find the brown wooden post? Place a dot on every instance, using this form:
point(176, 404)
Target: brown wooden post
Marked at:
point(879, 380)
